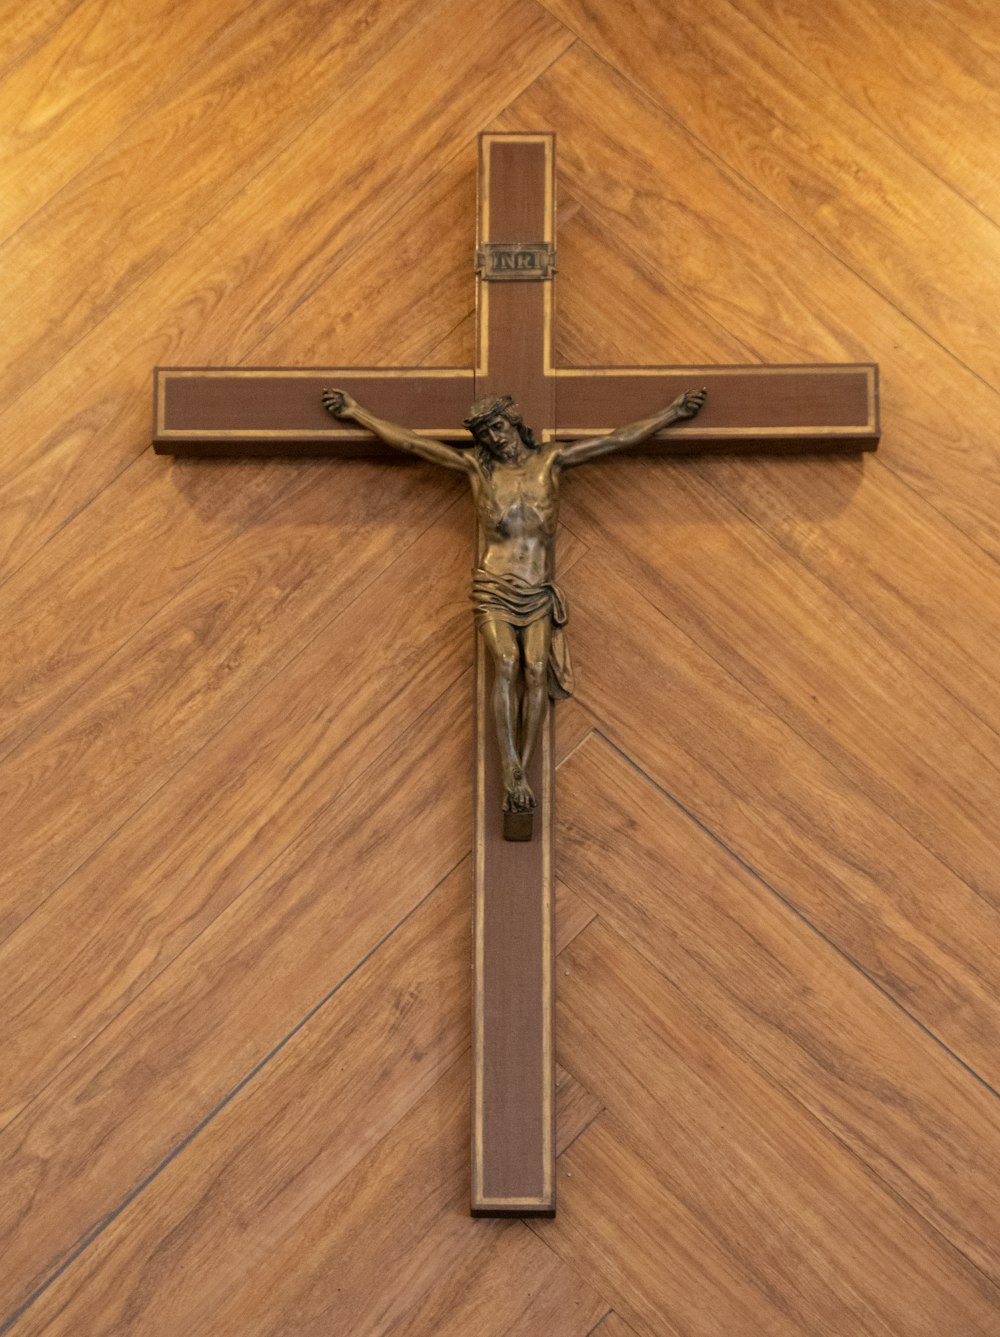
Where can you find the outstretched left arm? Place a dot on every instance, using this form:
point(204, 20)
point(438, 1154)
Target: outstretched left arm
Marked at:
point(342, 405)
point(579, 452)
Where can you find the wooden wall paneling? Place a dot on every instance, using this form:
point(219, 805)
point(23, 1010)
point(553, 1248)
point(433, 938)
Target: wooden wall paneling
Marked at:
point(810, 305)
point(424, 316)
point(285, 1152)
point(198, 1028)
point(745, 99)
point(656, 1264)
point(295, 212)
point(748, 1215)
point(153, 705)
point(772, 184)
point(276, 758)
point(976, 18)
point(811, 834)
point(767, 980)
point(185, 936)
point(573, 725)
point(174, 528)
point(572, 917)
point(654, 317)
point(29, 28)
point(189, 512)
point(855, 49)
point(504, 1284)
point(886, 553)
point(309, 1124)
point(82, 83)
point(225, 115)
point(613, 1326)
point(163, 201)
point(855, 695)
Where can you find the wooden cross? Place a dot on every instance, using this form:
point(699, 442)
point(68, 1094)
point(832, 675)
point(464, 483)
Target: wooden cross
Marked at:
point(270, 411)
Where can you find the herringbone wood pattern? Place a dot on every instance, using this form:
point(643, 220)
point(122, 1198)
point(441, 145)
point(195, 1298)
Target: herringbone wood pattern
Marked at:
point(236, 738)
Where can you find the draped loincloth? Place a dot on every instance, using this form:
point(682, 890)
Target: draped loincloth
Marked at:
point(519, 603)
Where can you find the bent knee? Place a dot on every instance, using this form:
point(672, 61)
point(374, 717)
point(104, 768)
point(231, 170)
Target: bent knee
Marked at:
point(534, 672)
point(507, 666)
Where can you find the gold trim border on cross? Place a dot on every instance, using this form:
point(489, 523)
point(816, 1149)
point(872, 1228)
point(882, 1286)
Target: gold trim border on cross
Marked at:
point(546, 1201)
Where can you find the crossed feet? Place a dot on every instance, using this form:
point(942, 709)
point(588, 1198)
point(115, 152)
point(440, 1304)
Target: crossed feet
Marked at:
point(518, 796)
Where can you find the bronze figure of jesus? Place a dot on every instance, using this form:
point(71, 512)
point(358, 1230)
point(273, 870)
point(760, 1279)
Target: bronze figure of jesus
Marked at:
point(520, 611)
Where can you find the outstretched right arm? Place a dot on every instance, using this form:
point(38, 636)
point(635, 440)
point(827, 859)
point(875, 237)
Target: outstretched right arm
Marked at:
point(578, 452)
point(343, 405)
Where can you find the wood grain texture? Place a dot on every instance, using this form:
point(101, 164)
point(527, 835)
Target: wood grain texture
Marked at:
point(218, 274)
point(83, 85)
point(384, 1210)
point(226, 120)
point(193, 1036)
point(845, 45)
point(266, 1174)
point(613, 1326)
point(26, 29)
point(858, 189)
point(705, 260)
point(773, 986)
point(759, 1221)
point(170, 668)
point(310, 723)
point(235, 745)
point(811, 833)
point(889, 727)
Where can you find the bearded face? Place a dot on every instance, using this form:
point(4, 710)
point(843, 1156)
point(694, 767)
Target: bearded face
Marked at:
point(501, 438)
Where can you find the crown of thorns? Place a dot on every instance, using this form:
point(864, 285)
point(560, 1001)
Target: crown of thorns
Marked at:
point(492, 406)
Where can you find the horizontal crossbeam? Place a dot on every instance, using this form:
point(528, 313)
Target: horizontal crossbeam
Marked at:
point(278, 411)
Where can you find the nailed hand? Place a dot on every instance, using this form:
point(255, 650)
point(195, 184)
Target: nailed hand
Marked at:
point(339, 403)
point(690, 402)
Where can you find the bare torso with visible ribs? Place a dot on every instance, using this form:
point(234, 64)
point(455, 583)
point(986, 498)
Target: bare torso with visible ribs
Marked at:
point(517, 506)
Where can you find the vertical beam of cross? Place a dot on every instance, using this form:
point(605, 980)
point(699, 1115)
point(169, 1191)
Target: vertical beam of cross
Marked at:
point(513, 1095)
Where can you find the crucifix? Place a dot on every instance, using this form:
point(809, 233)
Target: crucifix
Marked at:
point(513, 453)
